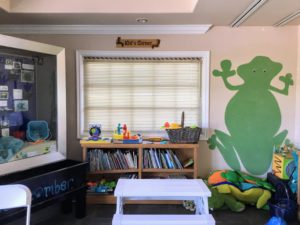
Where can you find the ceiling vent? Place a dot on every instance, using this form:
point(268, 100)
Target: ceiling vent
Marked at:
point(252, 8)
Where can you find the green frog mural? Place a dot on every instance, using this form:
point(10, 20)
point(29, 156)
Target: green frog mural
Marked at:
point(252, 116)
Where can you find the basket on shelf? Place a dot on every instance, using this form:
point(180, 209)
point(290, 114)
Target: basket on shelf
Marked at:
point(184, 134)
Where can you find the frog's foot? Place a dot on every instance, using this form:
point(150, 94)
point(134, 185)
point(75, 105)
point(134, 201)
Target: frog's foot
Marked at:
point(224, 143)
point(279, 138)
point(212, 142)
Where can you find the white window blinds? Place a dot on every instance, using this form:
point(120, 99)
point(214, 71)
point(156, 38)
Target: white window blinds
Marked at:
point(143, 93)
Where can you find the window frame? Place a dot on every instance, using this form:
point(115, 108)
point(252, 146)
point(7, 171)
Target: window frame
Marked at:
point(204, 55)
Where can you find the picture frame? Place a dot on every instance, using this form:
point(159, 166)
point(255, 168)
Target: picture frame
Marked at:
point(27, 76)
point(21, 105)
point(3, 95)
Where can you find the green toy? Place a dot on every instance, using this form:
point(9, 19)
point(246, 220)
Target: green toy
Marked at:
point(218, 201)
point(239, 178)
point(224, 201)
point(252, 116)
point(254, 196)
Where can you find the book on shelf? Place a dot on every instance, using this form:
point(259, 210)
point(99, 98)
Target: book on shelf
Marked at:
point(169, 162)
point(188, 163)
point(161, 159)
point(100, 159)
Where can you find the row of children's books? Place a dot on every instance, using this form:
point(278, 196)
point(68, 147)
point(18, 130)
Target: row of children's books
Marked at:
point(161, 159)
point(111, 160)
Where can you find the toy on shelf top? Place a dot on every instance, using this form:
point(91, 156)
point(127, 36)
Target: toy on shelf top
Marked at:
point(95, 135)
point(178, 133)
point(95, 132)
point(123, 135)
point(167, 125)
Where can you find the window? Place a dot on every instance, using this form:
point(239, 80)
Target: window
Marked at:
point(141, 89)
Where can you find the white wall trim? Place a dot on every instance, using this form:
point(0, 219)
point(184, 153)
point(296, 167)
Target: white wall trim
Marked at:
point(104, 29)
point(297, 102)
point(204, 55)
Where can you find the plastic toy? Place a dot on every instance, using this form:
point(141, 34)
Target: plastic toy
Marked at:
point(167, 125)
point(103, 186)
point(122, 135)
point(37, 130)
point(275, 220)
point(95, 132)
point(119, 129)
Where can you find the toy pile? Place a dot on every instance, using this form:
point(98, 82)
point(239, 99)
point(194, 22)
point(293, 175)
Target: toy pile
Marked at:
point(234, 189)
point(122, 135)
point(103, 186)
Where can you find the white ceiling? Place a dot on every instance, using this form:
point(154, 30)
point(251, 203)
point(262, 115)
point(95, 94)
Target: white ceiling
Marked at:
point(158, 12)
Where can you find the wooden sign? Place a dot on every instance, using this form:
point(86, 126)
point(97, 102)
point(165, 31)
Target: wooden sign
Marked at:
point(137, 43)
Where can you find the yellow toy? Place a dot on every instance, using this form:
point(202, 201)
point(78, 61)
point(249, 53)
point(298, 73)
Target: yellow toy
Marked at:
point(167, 125)
point(123, 135)
point(254, 196)
point(243, 187)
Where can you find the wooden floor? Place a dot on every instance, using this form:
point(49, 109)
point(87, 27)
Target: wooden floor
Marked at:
point(102, 215)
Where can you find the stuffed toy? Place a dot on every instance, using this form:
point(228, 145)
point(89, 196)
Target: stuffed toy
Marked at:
point(223, 201)
point(254, 196)
point(241, 180)
point(243, 187)
point(218, 201)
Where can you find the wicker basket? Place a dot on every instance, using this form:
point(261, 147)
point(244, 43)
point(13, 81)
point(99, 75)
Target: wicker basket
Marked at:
point(184, 135)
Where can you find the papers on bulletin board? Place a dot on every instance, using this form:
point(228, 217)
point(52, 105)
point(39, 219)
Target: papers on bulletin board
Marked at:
point(3, 95)
point(3, 88)
point(3, 103)
point(8, 67)
point(21, 105)
point(27, 76)
point(27, 66)
point(5, 132)
point(17, 94)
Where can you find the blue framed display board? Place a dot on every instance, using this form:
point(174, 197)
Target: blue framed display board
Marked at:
point(23, 103)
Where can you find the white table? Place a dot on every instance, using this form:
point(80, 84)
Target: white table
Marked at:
point(163, 189)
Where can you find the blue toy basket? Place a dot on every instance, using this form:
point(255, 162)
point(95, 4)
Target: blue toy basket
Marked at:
point(284, 207)
point(37, 130)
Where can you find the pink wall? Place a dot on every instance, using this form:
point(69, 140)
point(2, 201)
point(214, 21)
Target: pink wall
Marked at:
point(240, 45)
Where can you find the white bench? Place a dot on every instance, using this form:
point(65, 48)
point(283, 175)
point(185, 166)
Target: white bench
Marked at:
point(163, 189)
point(120, 219)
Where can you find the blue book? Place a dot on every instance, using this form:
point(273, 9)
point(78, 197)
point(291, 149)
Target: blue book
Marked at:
point(169, 162)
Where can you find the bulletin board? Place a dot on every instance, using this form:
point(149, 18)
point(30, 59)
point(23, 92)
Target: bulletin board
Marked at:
point(17, 94)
